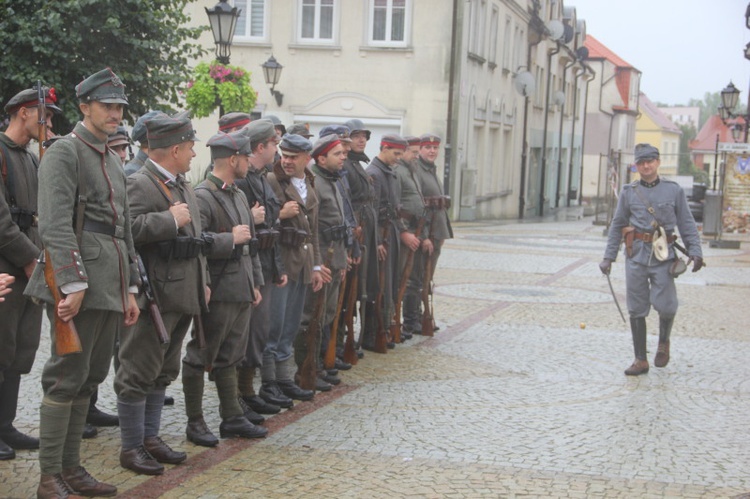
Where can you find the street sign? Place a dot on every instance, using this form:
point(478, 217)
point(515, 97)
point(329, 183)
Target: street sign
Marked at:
point(732, 147)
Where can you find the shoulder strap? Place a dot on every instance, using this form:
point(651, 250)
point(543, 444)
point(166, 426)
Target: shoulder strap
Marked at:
point(7, 172)
point(649, 208)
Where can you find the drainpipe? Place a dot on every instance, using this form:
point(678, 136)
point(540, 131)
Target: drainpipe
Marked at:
point(546, 123)
point(573, 134)
point(591, 76)
point(449, 127)
point(559, 136)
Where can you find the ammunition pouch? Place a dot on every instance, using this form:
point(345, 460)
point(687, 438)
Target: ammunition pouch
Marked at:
point(25, 219)
point(267, 238)
point(292, 237)
point(249, 248)
point(437, 202)
point(335, 233)
point(184, 247)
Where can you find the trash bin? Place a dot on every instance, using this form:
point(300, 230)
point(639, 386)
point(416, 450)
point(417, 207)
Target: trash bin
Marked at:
point(712, 213)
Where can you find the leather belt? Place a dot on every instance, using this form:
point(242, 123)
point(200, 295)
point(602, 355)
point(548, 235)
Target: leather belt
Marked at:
point(647, 237)
point(106, 229)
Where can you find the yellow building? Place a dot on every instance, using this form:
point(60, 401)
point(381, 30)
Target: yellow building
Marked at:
point(655, 128)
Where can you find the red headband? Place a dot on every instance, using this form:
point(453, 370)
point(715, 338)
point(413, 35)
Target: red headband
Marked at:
point(392, 145)
point(327, 148)
point(233, 124)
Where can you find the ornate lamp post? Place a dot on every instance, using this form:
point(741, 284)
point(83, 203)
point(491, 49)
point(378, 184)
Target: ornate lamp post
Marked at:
point(223, 19)
point(272, 74)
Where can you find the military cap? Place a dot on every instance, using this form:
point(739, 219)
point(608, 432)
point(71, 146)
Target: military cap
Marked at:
point(299, 129)
point(234, 120)
point(412, 140)
point(139, 129)
point(393, 141)
point(224, 145)
point(276, 122)
point(30, 98)
point(645, 152)
point(429, 139)
point(259, 131)
point(292, 144)
point(340, 130)
point(104, 86)
point(325, 144)
point(355, 125)
point(164, 130)
point(119, 138)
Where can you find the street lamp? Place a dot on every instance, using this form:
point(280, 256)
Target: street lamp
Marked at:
point(729, 97)
point(272, 74)
point(223, 19)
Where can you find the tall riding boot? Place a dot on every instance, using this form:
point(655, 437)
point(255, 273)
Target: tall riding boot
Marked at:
point(640, 364)
point(412, 322)
point(662, 353)
point(8, 406)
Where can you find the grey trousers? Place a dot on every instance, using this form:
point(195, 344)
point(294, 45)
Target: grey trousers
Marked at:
point(650, 286)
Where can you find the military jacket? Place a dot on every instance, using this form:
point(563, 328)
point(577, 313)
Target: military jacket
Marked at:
point(387, 194)
point(440, 226)
point(305, 257)
point(671, 210)
point(330, 215)
point(136, 163)
point(233, 276)
point(412, 203)
point(19, 190)
point(257, 190)
point(105, 262)
point(178, 284)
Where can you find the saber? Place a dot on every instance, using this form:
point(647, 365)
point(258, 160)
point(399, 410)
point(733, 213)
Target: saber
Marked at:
point(614, 297)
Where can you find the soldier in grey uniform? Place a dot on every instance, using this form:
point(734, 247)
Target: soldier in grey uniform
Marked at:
point(20, 328)
point(387, 201)
point(261, 196)
point(643, 205)
point(167, 230)
point(95, 271)
point(236, 279)
point(412, 213)
point(329, 156)
point(439, 228)
point(140, 135)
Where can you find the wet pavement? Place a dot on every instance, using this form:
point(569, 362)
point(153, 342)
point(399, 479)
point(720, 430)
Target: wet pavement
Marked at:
point(520, 394)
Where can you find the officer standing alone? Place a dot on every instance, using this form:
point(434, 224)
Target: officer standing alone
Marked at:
point(644, 206)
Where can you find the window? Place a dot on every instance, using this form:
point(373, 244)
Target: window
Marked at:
point(389, 23)
point(478, 14)
point(252, 25)
point(507, 64)
point(317, 21)
point(493, 35)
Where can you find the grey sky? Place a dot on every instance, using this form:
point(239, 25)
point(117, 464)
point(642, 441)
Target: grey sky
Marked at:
point(684, 48)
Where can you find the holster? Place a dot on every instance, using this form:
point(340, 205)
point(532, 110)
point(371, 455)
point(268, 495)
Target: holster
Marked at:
point(628, 234)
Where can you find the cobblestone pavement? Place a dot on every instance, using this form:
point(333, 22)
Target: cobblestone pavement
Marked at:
point(520, 394)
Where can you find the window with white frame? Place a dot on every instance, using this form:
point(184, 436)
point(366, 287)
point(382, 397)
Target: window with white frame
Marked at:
point(252, 25)
point(317, 21)
point(390, 22)
point(478, 19)
point(494, 20)
point(507, 62)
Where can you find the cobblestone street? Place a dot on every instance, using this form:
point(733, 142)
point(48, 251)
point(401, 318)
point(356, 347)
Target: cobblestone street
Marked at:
point(520, 394)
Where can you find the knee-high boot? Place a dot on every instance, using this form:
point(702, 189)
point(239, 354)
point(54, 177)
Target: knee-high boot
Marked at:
point(9, 388)
point(662, 353)
point(640, 364)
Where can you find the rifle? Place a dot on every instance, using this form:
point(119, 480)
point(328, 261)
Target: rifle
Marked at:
point(428, 321)
point(153, 307)
point(67, 340)
point(396, 327)
point(329, 361)
point(381, 336)
point(309, 370)
point(350, 349)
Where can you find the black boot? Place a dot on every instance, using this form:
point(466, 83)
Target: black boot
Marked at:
point(640, 364)
point(8, 405)
point(97, 417)
point(6, 451)
point(662, 353)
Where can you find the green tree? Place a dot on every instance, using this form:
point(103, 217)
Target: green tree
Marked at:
point(146, 42)
point(708, 106)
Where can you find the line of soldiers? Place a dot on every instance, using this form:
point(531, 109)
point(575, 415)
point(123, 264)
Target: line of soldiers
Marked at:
point(265, 264)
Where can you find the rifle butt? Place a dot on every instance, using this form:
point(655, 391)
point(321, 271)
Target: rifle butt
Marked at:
point(67, 341)
point(428, 325)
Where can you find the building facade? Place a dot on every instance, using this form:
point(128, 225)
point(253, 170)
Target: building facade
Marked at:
point(655, 128)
